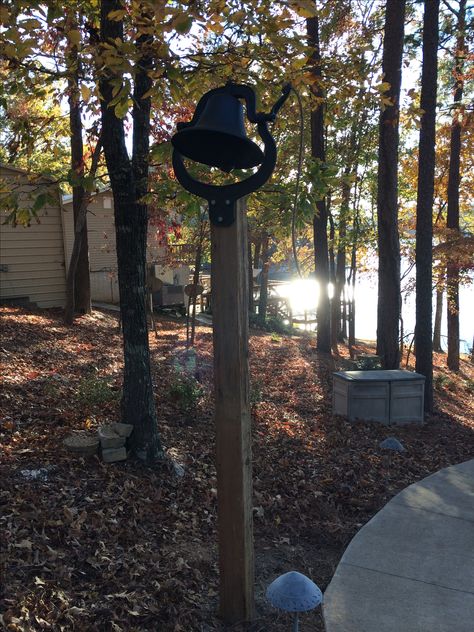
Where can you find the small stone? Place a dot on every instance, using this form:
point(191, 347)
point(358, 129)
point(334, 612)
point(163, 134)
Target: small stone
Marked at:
point(109, 438)
point(82, 444)
point(178, 469)
point(124, 430)
point(111, 455)
point(34, 475)
point(392, 444)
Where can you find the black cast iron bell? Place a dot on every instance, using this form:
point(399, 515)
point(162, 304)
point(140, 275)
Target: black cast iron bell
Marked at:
point(218, 137)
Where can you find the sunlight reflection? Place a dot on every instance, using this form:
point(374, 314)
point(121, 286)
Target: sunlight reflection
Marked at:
point(302, 294)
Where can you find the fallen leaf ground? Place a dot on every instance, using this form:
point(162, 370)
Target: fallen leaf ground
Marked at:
point(88, 546)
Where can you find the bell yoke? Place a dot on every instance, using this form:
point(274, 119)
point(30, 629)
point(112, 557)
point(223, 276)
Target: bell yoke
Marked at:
point(216, 136)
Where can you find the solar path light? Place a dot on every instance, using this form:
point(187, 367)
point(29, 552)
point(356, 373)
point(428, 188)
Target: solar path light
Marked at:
point(294, 592)
point(216, 137)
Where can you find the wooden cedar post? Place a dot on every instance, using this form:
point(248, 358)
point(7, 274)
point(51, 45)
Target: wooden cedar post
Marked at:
point(232, 417)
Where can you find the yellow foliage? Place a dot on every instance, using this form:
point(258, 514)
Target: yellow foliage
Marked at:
point(74, 37)
point(85, 93)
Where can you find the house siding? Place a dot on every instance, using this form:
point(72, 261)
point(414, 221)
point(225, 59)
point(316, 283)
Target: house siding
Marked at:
point(101, 239)
point(102, 251)
point(32, 264)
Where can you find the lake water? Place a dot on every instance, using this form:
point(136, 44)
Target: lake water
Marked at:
point(303, 296)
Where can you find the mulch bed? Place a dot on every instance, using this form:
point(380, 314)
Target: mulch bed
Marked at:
point(90, 546)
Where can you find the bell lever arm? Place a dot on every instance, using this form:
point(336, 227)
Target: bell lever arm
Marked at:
point(241, 91)
point(285, 92)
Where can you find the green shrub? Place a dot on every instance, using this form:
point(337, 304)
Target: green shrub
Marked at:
point(443, 381)
point(95, 390)
point(271, 324)
point(186, 391)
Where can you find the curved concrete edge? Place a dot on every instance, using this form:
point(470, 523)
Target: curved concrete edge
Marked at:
point(411, 567)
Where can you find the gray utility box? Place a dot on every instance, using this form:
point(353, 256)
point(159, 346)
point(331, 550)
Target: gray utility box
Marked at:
point(390, 397)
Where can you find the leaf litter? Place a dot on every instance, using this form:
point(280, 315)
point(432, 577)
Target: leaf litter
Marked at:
point(93, 547)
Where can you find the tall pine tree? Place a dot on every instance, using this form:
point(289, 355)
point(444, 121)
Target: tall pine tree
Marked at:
point(454, 178)
point(320, 219)
point(388, 308)
point(424, 205)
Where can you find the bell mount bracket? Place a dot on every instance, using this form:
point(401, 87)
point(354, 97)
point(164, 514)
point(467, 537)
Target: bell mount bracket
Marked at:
point(222, 199)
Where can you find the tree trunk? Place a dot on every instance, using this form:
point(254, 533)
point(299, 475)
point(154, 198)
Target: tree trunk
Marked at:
point(263, 297)
point(332, 276)
point(250, 273)
point(320, 219)
point(351, 280)
point(344, 315)
point(388, 308)
point(78, 289)
point(197, 272)
point(341, 261)
point(129, 181)
point(452, 220)
point(351, 310)
point(424, 205)
point(402, 330)
point(80, 222)
point(437, 321)
point(258, 246)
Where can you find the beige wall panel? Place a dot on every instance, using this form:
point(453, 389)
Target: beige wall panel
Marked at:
point(33, 256)
point(102, 246)
point(36, 243)
point(17, 255)
point(100, 232)
point(104, 287)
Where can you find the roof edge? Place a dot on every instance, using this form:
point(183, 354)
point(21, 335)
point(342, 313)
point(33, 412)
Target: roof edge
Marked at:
point(5, 165)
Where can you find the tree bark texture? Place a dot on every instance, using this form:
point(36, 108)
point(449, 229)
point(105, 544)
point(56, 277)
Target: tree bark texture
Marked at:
point(351, 307)
point(129, 181)
point(258, 247)
point(437, 320)
point(388, 308)
point(197, 272)
point(320, 219)
point(79, 223)
point(424, 205)
point(250, 266)
point(341, 261)
point(351, 281)
point(263, 296)
point(332, 276)
point(454, 178)
point(78, 289)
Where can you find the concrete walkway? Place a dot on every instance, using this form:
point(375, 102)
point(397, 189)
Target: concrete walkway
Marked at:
point(411, 568)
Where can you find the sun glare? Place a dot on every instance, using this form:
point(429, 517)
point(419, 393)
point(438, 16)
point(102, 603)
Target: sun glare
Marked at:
point(302, 294)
